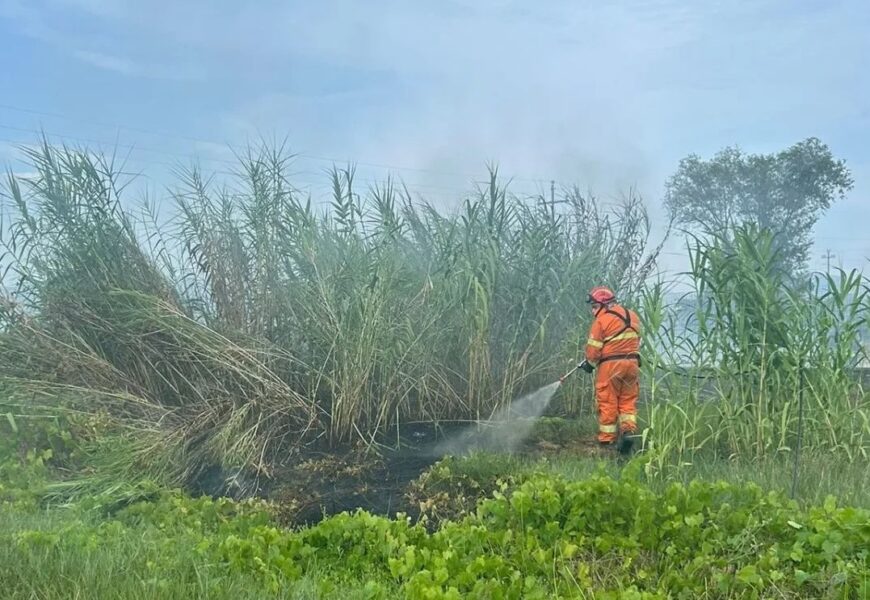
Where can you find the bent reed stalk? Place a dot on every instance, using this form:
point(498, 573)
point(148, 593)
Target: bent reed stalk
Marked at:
point(250, 323)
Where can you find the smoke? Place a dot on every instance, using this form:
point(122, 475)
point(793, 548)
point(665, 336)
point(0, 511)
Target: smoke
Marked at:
point(507, 429)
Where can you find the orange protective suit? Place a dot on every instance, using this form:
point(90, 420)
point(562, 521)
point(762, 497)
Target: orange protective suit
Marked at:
point(613, 345)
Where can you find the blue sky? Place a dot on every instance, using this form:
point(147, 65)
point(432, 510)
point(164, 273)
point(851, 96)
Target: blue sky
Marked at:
point(608, 95)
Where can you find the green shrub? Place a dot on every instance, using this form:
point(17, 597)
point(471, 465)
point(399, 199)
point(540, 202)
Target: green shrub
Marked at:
point(549, 538)
point(29, 444)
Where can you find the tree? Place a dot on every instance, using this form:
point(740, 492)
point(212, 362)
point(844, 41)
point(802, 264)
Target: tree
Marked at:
point(785, 193)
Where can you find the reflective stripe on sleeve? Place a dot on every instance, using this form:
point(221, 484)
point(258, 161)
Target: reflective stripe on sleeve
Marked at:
point(594, 343)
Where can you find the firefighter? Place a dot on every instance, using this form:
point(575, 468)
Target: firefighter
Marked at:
point(613, 348)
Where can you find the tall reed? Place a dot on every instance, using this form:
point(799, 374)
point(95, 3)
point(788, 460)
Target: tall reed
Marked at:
point(251, 323)
point(729, 376)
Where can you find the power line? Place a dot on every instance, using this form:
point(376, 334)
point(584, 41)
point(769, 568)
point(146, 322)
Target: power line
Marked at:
point(104, 143)
point(132, 148)
point(378, 165)
point(423, 189)
point(539, 181)
point(135, 148)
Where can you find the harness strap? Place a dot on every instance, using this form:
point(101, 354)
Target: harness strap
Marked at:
point(626, 324)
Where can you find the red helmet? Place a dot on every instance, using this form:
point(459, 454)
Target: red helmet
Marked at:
point(601, 295)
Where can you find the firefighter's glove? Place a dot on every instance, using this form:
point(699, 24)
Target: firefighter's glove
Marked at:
point(586, 366)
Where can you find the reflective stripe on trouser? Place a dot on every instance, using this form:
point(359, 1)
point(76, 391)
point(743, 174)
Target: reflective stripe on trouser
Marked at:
point(627, 422)
point(616, 390)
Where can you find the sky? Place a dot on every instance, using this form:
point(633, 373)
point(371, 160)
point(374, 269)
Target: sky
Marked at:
point(605, 95)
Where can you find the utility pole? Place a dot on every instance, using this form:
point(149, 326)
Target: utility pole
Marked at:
point(553, 198)
point(828, 256)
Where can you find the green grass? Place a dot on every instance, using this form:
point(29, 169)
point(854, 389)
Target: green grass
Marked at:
point(819, 476)
point(547, 537)
point(146, 564)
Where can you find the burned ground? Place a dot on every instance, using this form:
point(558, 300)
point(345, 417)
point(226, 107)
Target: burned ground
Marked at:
point(413, 479)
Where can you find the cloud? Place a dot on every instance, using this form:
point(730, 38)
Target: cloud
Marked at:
point(556, 94)
point(51, 22)
point(107, 62)
point(97, 8)
point(130, 68)
point(608, 95)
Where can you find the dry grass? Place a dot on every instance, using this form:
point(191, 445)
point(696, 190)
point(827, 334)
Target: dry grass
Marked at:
point(250, 324)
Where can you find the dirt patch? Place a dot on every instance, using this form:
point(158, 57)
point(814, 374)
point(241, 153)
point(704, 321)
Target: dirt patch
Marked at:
point(577, 447)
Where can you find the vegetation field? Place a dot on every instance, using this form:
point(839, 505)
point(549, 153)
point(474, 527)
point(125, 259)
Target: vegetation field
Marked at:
point(194, 402)
point(489, 526)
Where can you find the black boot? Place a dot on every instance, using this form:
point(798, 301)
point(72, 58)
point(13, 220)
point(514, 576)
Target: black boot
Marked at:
point(625, 444)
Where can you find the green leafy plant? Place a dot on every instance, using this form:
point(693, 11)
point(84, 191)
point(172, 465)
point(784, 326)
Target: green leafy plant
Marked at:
point(547, 538)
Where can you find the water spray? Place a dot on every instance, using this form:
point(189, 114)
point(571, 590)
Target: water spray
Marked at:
point(509, 426)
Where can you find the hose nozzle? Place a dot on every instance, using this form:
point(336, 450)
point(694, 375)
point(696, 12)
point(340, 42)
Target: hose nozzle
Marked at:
point(582, 365)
